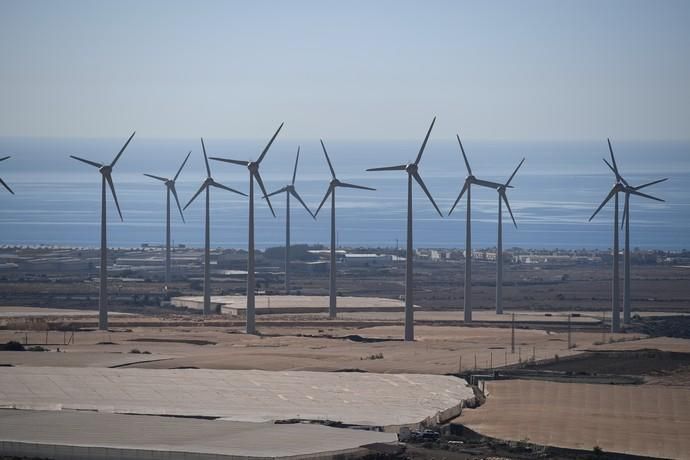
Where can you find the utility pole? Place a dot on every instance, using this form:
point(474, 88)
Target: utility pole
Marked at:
point(570, 343)
point(512, 334)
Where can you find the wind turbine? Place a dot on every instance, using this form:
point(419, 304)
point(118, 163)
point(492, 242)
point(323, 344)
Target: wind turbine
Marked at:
point(2, 181)
point(628, 190)
point(290, 190)
point(412, 170)
point(617, 188)
point(170, 189)
point(253, 167)
point(335, 183)
point(206, 186)
point(502, 197)
point(467, 187)
point(106, 176)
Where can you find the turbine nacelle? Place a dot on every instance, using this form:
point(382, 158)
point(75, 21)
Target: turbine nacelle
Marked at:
point(412, 168)
point(253, 167)
point(106, 171)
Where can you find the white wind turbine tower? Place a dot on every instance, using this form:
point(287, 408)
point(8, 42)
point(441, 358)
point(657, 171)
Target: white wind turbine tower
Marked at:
point(467, 187)
point(253, 167)
point(290, 190)
point(106, 177)
point(502, 197)
point(412, 170)
point(206, 186)
point(170, 189)
point(335, 183)
point(4, 184)
point(628, 190)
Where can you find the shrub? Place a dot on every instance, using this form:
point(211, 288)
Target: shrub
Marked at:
point(37, 348)
point(12, 345)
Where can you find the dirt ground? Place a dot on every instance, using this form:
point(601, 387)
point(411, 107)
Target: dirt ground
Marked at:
point(567, 416)
point(640, 420)
point(438, 350)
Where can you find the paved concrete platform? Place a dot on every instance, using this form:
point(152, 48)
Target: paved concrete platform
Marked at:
point(73, 435)
point(381, 400)
point(293, 304)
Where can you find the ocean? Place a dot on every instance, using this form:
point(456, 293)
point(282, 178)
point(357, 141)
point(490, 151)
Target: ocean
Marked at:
point(57, 199)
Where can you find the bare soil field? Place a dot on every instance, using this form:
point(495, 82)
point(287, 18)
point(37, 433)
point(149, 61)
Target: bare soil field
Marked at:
point(437, 350)
point(640, 420)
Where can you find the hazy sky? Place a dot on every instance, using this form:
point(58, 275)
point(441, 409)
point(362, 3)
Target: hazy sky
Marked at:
point(512, 70)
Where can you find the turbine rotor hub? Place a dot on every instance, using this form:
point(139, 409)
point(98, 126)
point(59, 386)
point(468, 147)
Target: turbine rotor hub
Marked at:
point(411, 168)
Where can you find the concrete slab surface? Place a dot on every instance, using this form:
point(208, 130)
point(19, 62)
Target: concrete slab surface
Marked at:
point(383, 400)
point(277, 304)
point(634, 419)
point(97, 435)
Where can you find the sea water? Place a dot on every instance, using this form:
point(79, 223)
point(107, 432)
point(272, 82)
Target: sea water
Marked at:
point(57, 199)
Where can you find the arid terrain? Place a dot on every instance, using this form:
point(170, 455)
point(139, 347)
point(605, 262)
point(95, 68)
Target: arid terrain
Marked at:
point(550, 379)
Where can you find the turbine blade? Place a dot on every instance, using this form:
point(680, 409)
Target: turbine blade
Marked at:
point(462, 192)
point(208, 168)
point(488, 184)
point(88, 162)
point(644, 195)
point(505, 200)
point(610, 167)
point(389, 168)
point(162, 179)
point(325, 197)
point(5, 158)
point(330, 166)
point(426, 138)
point(263, 154)
point(464, 157)
point(263, 190)
point(514, 172)
point(606, 200)
point(615, 166)
point(177, 200)
point(294, 172)
point(119, 154)
point(346, 185)
point(203, 185)
point(280, 190)
point(613, 158)
point(225, 187)
point(182, 166)
point(109, 178)
point(419, 180)
point(227, 160)
point(625, 213)
point(294, 193)
point(650, 183)
point(6, 186)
